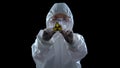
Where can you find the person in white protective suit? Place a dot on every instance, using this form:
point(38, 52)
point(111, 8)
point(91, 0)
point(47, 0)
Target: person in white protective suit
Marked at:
point(59, 48)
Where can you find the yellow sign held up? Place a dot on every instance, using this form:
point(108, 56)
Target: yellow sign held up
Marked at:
point(57, 27)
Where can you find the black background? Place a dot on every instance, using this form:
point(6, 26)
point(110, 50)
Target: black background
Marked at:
point(86, 23)
point(26, 18)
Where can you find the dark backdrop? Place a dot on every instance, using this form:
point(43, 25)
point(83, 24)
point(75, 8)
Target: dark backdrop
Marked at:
point(85, 22)
point(28, 17)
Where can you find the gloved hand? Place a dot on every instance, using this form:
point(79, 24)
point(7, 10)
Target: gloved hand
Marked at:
point(68, 35)
point(47, 34)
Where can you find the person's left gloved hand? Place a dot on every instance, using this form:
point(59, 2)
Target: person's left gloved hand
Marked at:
point(68, 35)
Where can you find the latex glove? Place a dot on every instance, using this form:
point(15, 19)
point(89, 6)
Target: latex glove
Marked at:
point(47, 34)
point(68, 35)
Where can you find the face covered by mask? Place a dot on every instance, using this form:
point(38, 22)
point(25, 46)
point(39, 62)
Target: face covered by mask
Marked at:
point(62, 14)
point(62, 20)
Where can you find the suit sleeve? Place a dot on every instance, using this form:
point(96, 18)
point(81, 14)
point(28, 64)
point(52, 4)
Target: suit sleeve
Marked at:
point(78, 49)
point(40, 48)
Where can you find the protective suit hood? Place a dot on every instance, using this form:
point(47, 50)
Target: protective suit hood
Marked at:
point(60, 8)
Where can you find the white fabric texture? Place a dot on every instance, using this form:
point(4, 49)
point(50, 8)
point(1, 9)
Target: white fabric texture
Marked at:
point(56, 52)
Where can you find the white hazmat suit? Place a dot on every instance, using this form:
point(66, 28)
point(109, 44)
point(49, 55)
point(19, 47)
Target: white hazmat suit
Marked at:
point(56, 53)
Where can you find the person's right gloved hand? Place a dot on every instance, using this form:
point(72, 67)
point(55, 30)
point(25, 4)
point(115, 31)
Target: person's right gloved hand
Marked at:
point(47, 34)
